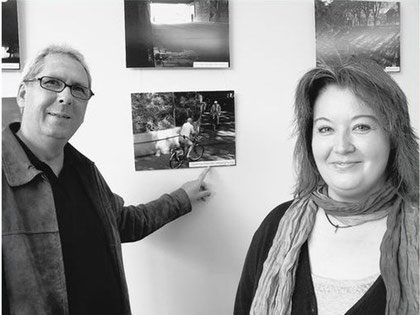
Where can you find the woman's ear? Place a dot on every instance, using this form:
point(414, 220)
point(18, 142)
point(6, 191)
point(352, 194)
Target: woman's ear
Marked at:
point(21, 97)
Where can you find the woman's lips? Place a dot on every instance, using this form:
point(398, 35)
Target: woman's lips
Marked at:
point(344, 164)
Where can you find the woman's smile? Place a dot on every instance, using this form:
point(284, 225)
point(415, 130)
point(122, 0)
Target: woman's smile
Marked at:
point(344, 165)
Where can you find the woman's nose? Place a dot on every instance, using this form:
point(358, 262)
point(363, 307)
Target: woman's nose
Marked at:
point(343, 143)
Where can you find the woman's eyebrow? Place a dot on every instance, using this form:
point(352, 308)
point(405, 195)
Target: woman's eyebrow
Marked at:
point(321, 118)
point(366, 116)
point(353, 118)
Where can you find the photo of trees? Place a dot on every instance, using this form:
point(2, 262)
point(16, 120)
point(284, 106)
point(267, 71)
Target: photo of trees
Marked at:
point(157, 120)
point(364, 28)
point(178, 33)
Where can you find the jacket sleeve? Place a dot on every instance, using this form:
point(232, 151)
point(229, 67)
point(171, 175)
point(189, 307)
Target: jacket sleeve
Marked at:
point(136, 222)
point(255, 258)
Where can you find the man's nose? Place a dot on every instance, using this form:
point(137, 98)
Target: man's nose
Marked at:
point(65, 97)
point(343, 143)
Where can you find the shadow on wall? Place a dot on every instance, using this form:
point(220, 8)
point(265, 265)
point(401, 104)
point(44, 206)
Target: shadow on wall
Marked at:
point(9, 111)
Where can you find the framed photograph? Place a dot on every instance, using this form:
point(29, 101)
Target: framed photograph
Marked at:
point(364, 28)
point(183, 129)
point(177, 33)
point(9, 35)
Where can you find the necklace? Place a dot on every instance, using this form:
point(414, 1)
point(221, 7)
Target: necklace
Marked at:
point(336, 225)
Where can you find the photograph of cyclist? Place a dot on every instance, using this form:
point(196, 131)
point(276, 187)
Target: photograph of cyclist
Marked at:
point(165, 122)
point(186, 133)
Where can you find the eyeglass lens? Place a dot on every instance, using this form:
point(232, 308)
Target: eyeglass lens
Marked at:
point(56, 85)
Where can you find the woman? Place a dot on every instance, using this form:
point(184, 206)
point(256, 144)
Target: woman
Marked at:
point(348, 243)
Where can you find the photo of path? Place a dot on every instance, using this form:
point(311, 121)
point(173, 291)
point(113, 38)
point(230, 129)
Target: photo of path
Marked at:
point(179, 33)
point(369, 29)
point(182, 45)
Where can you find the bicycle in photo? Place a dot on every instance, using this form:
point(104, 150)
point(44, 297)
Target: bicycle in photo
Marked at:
point(179, 155)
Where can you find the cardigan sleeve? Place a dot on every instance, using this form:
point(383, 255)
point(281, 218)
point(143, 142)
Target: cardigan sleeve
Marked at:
point(254, 261)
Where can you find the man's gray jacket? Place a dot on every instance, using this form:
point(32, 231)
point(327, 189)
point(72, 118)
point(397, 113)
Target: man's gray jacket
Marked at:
point(32, 258)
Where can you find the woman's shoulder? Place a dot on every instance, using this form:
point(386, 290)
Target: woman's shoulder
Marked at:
point(268, 227)
point(275, 215)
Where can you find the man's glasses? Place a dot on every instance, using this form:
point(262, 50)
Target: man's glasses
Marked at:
point(57, 85)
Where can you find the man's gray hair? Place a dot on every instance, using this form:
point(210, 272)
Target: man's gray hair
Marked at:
point(33, 68)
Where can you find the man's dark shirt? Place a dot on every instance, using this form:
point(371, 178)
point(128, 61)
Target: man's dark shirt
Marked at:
point(91, 281)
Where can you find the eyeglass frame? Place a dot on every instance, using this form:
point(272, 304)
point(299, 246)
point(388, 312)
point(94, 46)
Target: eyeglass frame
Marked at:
point(65, 85)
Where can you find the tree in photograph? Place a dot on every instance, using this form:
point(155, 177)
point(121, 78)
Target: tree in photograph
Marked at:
point(211, 10)
point(355, 11)
point(376, 10)
point(152, 111)
point(322, 16)
point(332, 16)
point(366, 7)
point(337, 14)
point(187, 104)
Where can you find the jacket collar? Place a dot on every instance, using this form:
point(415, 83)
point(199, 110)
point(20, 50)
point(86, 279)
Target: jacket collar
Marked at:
point(17, 168)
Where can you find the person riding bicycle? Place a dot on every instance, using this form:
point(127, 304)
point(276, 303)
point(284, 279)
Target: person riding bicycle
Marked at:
point(186, 133)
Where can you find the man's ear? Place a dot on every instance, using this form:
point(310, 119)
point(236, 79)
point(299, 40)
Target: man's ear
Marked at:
point(21, 96)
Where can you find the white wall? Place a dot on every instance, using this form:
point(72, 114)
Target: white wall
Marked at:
point(192, 266)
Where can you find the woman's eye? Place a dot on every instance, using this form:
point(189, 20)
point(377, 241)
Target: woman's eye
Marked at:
point(362, 127)
point(324, 129)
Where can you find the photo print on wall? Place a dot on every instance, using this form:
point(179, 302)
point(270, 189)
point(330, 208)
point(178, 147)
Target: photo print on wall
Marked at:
point(183, 129)
point(177, 33)
point(9, 35)
point(363, 28)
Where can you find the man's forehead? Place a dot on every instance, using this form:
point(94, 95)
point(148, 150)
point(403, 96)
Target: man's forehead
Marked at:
point(60, 58)
point(64, 67)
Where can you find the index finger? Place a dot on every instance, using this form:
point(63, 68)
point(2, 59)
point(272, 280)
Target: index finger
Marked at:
point(203, 174)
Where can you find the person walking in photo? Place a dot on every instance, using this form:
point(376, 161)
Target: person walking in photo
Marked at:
point(348, 243)
point(215, 112)
point(62, 226)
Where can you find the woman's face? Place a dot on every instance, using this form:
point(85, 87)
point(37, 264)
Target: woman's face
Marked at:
point(350, 147)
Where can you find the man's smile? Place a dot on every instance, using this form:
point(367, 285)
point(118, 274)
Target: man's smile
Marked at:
point(59, 115)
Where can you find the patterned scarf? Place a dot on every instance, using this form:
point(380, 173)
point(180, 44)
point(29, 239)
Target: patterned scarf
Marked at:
point(399, 261)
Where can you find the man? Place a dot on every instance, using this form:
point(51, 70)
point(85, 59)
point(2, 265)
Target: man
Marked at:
point(215, 111)
point(62, 225)
point(186, 133)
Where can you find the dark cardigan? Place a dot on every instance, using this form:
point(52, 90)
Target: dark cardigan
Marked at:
point(303, 300)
